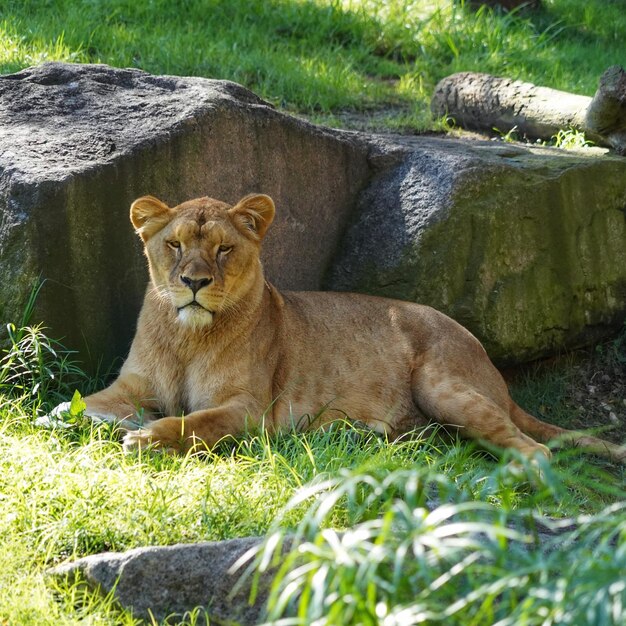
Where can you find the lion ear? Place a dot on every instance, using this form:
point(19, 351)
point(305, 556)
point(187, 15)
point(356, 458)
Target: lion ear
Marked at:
point(254, 213)
point(149, 215)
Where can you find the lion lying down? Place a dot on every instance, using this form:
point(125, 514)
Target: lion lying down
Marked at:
point(218, 349)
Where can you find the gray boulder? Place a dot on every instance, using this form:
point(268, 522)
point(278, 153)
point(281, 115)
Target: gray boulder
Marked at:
point(212, 581)
point(525, 246)
point(80, 142)
point(174, 580)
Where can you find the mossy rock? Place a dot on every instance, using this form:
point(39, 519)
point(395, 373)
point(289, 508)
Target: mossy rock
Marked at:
point(524, 246)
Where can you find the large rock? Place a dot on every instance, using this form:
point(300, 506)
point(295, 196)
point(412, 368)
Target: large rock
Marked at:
point(167, 581)
point(80, 142)
point(525, 246)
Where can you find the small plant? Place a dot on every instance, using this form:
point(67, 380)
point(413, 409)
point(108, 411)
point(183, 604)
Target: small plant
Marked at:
point(34, 367)
point(571, 139)
point(511, 136)
point(37, 368)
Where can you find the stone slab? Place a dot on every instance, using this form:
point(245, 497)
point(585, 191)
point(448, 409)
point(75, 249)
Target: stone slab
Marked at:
point(526, 246)
point(168, 581)
point(523, 245)
point(78, 143)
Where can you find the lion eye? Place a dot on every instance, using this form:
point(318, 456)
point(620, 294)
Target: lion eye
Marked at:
point(173, 244)
point(224, 249)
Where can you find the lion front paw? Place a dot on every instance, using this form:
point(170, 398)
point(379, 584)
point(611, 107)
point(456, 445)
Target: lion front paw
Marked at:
point(144, 438)
point(138, 439)
point(165, 434)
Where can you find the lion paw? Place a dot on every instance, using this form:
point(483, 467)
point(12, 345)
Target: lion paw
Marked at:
point(168, 434)
point(155, 437)
point(138, 440)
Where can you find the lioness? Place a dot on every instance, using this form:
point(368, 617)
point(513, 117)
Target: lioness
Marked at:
point(218, 348)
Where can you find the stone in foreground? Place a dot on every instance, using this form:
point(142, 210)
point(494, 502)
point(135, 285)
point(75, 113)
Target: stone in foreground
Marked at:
point(173, 580)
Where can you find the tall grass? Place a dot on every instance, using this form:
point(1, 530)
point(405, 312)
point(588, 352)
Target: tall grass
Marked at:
point(462, 562)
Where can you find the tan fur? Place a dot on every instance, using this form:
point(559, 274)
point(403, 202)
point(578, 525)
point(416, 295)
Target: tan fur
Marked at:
point(247, 354)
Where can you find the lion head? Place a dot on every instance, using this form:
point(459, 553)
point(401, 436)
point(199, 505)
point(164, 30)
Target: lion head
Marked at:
point(203, 255)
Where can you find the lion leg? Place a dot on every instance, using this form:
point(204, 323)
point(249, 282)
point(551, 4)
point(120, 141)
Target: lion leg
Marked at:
point(128, 401)
point(180, 434)
point(454, 402)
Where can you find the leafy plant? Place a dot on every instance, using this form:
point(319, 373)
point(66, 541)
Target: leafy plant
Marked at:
point(412, 560)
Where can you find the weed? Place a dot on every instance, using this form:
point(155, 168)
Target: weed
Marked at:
point(35, 369)
point(510, 136)
point(571, 139)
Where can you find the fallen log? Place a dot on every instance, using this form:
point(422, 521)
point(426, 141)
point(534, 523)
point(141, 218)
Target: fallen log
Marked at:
point(484, 102)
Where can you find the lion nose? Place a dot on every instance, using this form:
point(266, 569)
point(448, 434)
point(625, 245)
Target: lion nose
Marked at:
point(195, 284)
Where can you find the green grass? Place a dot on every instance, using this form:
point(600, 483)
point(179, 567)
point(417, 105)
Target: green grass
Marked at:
point(67, 493)
point(463, 563)
point(356, 62)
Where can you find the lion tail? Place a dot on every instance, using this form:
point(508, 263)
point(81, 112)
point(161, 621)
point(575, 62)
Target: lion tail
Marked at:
point(544, 433)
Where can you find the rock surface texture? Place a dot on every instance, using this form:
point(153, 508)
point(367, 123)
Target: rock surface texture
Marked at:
point(80, 142)
point(161, 582)
point(525, 246)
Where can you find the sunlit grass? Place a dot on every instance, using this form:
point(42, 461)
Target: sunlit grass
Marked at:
point(71, 492)
point(18, 51)
point(324, 57)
